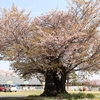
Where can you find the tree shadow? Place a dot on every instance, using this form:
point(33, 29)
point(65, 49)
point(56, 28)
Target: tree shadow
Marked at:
point(22, 98)
point(12, 98)
point(30, 97)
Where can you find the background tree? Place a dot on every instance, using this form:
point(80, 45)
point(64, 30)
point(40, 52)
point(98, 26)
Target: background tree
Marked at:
point(91, 84)
point(54, 44)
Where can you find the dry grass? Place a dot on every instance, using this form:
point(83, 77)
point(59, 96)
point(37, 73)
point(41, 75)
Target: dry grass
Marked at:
point(19, 93)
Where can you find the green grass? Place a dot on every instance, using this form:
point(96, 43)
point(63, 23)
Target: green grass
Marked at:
point(34, 95)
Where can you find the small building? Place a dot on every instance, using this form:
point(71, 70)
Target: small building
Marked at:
point(31, 84)
point(7, 77)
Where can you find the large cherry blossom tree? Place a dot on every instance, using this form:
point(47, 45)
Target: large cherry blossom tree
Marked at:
point(54, 44)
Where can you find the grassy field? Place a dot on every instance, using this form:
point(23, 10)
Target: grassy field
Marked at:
point(34, 95)
point(19, 93)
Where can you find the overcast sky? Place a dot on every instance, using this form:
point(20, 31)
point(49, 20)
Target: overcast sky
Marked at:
point(37, 6)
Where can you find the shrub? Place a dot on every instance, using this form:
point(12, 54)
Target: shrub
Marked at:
point(79, 96)
point(89, 95)
point(67, 96)
point(74, 96)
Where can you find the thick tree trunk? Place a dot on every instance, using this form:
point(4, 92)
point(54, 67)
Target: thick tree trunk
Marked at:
point(54, 85)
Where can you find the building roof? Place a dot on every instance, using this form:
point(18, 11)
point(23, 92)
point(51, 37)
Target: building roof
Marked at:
point(18, 80)
point(11, 78)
